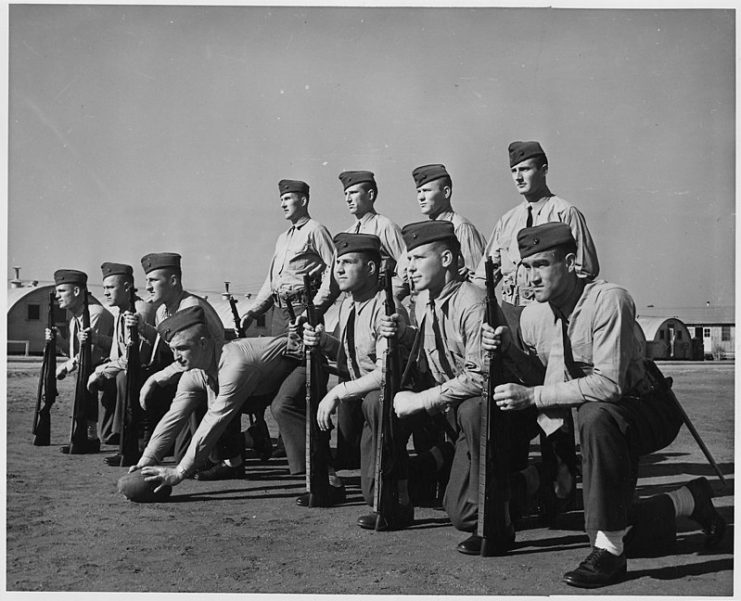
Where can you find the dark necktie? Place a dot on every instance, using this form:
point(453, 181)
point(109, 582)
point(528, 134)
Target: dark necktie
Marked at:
point(357, 227)
point(529, 216)
point(350, 340)
point(439, 345)
point(568, 358)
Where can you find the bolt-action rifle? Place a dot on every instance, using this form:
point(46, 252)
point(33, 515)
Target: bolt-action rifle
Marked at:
point(317, 442)
point(83, 398)
point(494, 523)
point(47, 392)
point(129, 439)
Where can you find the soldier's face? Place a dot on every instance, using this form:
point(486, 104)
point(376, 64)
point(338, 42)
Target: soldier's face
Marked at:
point(359, 202)
point(547, 274)
point(351, 271)
point(433, 197)
point(528, 177)
point(160, 285)
point(116, 291)
point(426, 267)
point(293, 205)
point(68, 296)
point(190, 350)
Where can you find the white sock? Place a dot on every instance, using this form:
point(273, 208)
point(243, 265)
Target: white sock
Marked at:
point(233, 461)
point(684, 502)
point(92, 430)
point(610, 540)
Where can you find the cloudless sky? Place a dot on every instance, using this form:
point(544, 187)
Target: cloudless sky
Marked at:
point(135, 129)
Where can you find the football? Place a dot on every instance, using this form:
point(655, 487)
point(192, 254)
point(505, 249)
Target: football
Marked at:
point(135, 488)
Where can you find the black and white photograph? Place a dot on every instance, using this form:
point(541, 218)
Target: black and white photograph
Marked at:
point(370, 299)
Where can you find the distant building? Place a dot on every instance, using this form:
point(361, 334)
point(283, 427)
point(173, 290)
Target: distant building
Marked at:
point(712, 330)
point(665, 338)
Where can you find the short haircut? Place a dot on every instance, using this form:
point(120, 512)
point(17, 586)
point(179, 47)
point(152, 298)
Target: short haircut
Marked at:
point(540, 160)
point(451, 244)
point(560, 251)
point(445, 181)
point(368, 186)
point(370, 255)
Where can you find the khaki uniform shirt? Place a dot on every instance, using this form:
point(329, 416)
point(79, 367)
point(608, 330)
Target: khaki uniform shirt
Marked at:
point(101, 322)
point(504, 250)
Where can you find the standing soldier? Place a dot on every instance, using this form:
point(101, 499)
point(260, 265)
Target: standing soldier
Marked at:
point(71, 286)
point(529, 166)
point(118, 280)
point(360, 349)
point(305, 249)
point(434, 192)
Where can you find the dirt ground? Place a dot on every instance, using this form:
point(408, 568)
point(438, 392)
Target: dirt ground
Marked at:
point(69, 530)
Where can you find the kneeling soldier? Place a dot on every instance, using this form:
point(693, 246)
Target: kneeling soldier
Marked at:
point(360, 351)
point(583, 333)
point(224, 376)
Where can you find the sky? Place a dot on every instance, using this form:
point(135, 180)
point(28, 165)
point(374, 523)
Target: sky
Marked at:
point(136, 129)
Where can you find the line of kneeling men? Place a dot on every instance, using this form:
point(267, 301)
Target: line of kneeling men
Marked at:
point(575, 350)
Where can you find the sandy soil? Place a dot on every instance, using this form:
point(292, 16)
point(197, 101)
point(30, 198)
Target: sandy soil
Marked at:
point(69, 530)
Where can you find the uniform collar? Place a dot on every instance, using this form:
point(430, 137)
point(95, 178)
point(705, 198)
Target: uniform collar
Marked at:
point(366, 218)
point(301, 222)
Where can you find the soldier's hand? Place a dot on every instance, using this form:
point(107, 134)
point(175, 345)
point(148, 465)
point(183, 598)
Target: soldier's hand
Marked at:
point(143, 462)
point(61, 372)
point(390, 326)
point(495, 340)
point(163, 475)
point(465, 274)
point(313, 335)
point(146, 391)
point(132, 320)
point(49, 334)
point(85, 334)
point(93, 381)
point(513, 397)
point(407, 403)
point(246, 320)
point(326, 408)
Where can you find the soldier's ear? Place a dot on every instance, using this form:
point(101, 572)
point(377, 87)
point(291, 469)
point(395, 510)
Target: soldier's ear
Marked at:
point(570, 260)
point(447, 257)
point(372, 268)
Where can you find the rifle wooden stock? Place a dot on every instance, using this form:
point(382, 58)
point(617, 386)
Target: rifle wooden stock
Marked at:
point(128, 447)
point(83, 398)
point(317, 442)
point(386, 493)
point(494, 525)
point(47, 392)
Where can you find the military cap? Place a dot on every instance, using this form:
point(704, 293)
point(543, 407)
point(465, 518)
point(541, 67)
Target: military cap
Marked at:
point(428, 173)
point(154, 261)
point(350, 178)
point(532, 240)
point(521, 151)
point(424, 232)
point(345, 243)
point(70, 276)
point(116, 269)
point(187, 318)
point(293, 185)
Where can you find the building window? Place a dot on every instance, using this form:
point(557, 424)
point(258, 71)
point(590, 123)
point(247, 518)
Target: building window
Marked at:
point(34, 312)
point(725, 333)
point(661, 334)
point(260, 321)
point(679, 335)
point(706, 333)
point(698, 332)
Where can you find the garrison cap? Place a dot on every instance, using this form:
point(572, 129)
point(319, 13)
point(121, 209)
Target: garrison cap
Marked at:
point(521, 151)
point(154, 261)
point(350, 178)
point(532, 240)
point(428, 173)
point(293, 185)
point(187, 318)
point(346, 242)
point(70, 276)
point(117, 269)
point(424, 232)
